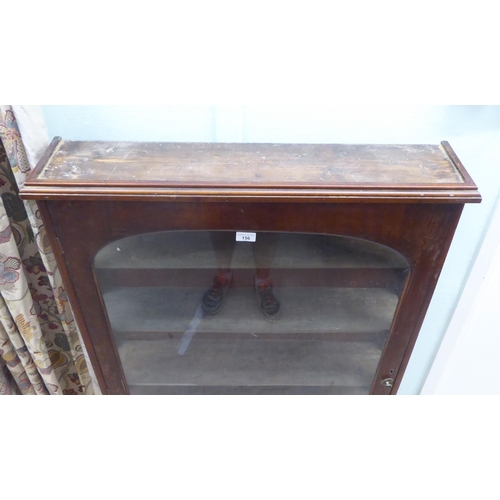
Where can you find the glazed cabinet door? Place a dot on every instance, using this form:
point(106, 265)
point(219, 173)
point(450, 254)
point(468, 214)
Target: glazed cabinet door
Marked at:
point(224, 312)
point(344, 290)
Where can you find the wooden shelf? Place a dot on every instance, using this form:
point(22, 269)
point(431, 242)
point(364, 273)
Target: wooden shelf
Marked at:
point(378, 338)
point(313, 310)
point(304, 277)
point(237, 364)
point(270, 390)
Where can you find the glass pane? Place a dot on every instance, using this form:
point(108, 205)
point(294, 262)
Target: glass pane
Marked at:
point(200, 312)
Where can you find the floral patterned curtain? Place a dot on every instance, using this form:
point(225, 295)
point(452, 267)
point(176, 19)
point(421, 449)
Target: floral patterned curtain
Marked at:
point(40, 348)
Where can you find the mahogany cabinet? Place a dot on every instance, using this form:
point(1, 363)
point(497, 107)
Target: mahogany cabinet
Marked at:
point(329, 255)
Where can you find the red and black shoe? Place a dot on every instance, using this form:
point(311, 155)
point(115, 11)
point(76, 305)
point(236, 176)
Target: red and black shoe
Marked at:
point(269, 305)
point(213, 298)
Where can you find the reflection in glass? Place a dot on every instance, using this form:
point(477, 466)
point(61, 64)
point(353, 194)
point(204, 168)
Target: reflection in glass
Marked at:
point(263, 250)
point(197, 312)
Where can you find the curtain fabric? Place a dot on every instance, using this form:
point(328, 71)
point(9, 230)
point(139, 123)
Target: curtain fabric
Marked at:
point(40, 348)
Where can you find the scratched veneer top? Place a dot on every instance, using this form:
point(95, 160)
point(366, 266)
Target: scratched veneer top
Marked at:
point(228, 164)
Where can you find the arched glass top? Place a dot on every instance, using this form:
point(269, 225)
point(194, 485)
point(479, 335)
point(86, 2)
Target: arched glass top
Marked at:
point(224, 312)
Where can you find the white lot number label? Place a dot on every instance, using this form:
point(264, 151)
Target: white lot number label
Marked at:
point(246, 236)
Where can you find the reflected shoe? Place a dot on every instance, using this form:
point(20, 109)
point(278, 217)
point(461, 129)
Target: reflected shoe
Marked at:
point(269, 305)
point(213, 298)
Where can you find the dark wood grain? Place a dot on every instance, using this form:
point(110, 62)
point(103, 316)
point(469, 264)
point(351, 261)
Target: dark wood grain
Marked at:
point(205, 171)
point(408, 198)
point(415, 230)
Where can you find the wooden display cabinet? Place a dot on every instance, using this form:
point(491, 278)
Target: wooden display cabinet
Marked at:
point(353, 238)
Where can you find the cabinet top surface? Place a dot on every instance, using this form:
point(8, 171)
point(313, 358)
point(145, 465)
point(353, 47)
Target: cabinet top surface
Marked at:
point(128, 170)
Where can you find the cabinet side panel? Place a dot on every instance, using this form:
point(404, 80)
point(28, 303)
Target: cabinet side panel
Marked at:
point(45, 212)
point(79, 230)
